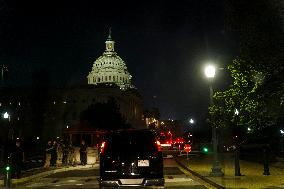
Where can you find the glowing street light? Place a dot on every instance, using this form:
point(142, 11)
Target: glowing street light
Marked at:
point(6, 115)
point(237, 112)
point(191, 121)
point(210, 71)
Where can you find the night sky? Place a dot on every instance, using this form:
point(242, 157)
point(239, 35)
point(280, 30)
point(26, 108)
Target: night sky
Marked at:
point(164, 45)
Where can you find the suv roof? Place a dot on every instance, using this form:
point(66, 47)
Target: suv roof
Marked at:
point(122, 141)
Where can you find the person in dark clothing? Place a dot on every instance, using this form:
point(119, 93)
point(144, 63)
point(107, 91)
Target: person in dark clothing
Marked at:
point(53, 159)
point(17, 160)
point(83, 153)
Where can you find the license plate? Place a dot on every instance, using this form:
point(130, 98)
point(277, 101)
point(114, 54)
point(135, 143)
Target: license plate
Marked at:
point(131, 181)
point(143, 163)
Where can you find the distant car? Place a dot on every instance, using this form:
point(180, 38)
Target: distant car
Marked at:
point(166, 140)
point(131, 158)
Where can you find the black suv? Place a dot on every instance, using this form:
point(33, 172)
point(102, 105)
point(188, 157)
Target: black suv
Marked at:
point(131, 158)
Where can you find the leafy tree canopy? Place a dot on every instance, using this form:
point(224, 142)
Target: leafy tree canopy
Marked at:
point(257, 88)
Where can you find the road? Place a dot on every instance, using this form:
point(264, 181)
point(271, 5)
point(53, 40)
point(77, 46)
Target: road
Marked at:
point(88, 178)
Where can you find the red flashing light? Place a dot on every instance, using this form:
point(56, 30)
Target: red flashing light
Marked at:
point(158, 145)
point(179, 141)
point(103, 145)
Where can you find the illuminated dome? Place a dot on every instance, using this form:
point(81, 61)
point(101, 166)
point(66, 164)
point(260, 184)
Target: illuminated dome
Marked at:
point(110, 69)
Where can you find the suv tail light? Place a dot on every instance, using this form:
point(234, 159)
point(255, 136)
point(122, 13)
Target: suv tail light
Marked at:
point(158, 145)
point(103, 145)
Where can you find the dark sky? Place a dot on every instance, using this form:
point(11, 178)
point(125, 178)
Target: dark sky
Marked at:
point(164, 45)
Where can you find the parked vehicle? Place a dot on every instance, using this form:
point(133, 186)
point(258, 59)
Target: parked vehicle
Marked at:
point(131, 158)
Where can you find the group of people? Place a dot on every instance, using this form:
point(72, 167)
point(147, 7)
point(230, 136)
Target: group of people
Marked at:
point(56, 152)
point(63, 153)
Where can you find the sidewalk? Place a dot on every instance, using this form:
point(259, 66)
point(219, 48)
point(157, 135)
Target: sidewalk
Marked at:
point(200, 165)
point(43, 172)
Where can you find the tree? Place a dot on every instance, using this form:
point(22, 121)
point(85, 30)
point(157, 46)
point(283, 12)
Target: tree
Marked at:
point(104, 116)
point(257, 73)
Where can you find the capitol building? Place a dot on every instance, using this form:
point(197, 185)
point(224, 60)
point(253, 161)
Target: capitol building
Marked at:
point(48, 113)
point(110, 68)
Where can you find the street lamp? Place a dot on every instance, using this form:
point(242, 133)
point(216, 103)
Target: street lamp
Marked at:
point(216, 167)
point(191, 121)
point(6, 115)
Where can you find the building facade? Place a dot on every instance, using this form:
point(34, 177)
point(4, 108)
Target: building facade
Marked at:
point(47, 112)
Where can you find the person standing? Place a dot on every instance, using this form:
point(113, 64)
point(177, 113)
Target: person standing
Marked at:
point(48, 150)
point(54, 155)
point(65, 152)
point(83, 153)
point(71, 154)
point(17, 160)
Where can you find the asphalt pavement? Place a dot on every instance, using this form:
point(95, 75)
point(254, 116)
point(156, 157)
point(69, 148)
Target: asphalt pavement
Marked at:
point(87, 177)
point(191, 172)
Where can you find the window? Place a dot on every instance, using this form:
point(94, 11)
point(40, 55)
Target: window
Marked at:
point(109, 78)
point(99, 79)
point(113, 78)
point(106, 78)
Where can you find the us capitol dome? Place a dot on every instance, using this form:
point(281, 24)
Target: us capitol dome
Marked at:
point(110, 69)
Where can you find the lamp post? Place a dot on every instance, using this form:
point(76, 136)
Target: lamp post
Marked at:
point(190, 136)
point(6, 115)
point(237, 152)
point(216, 167)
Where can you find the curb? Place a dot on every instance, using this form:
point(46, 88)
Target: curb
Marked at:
point(199, 176)
point(46, 173)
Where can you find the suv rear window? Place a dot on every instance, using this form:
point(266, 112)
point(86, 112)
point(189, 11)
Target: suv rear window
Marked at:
point(123, 142)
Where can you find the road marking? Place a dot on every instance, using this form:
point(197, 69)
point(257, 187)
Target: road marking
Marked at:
point(177, 178)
